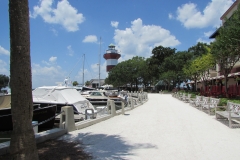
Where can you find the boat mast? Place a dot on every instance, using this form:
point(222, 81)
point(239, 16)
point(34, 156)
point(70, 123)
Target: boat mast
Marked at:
point(99, 84)
point(83, 70)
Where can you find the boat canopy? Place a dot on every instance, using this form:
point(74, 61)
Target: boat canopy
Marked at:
point(57, 94)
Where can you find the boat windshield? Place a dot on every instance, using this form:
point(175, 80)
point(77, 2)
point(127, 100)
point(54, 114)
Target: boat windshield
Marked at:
point(96, 94)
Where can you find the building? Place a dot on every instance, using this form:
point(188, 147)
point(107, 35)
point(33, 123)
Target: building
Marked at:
point(94, 83)
point(111, 56)
point(230, 11)
point(217, 80)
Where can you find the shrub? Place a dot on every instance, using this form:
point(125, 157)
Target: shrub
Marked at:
point(235, 100)
point(223, 101)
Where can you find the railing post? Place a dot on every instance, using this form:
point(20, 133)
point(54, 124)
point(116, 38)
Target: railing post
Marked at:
point(113, 109)
point(108, 106)
point(67, 119)
point(123, 111)
point(140, 97)
point(131, 102)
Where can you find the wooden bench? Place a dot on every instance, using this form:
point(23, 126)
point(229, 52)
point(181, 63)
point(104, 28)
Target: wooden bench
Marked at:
point(210, 105)
point(180, 95)
point(186, 98)
point(196, 102)
point(174, 94)
point(182, 98)
point(232, 114)
point(204, 102)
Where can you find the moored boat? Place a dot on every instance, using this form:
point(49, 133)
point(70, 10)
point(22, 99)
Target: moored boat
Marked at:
point(100, 97)
point(39, 114)
point(63, 96)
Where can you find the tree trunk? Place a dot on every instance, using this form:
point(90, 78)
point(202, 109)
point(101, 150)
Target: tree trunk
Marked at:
point(225, 83)
point(195, 85)
point(22, 145)
point(136, 85)
point(195, 82)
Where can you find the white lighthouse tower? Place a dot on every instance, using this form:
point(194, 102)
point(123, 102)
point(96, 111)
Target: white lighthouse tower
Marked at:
point(111, 56)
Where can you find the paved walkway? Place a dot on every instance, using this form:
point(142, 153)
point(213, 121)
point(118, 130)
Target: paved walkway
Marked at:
point(163, 128)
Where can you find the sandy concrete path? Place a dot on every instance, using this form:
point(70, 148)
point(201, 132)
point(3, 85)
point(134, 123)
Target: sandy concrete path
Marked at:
point(163, 128)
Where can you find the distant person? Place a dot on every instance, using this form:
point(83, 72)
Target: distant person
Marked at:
point(66, 82)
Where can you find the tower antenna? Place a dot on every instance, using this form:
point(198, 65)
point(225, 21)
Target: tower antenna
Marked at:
point(83, 70)
point(99, 84)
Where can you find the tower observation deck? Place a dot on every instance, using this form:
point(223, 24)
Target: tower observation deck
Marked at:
point(111, 56)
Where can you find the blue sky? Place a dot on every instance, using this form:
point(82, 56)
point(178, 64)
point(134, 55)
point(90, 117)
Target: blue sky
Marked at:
point(63, 30)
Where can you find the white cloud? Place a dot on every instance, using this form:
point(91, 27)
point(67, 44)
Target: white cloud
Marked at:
point(93, 73)
point(189, 15)
point(208, 34)
point(203, 40)
point(90, 39)
point(64, 14)
point(43, 70)
point(95, 70)
point(70, 51)
point(114, 24)
point(55, 32)
point(46, 75)
point(50, 74)
point(4, 51)
point(139, 40)
point(52, 59)
point(205, 37)
point(170, 16)
point(3, 68)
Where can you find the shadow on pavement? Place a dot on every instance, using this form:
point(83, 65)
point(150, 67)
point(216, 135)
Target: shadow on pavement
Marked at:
point(102, 146)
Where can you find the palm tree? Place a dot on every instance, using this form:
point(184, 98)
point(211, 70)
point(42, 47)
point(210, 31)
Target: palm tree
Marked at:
point(22, 145)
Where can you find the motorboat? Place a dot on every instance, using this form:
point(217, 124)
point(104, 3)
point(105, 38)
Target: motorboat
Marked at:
point(64, 96)
point(100, 97)
point(39, 114)
point(86, 91)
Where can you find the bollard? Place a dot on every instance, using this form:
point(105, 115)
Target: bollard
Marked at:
point(140, 97)
point(113, 109)
point(131, 103)
point(108, 106)
point(67, 119)
point(123, 111)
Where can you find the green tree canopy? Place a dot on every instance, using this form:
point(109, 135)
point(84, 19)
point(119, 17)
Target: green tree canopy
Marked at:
point(156, 60)
point(172, 67)
point(4, 81)
point(198, 69)
point(75, 83)
point(198, 50)
point(87, 83)
point(131, 72)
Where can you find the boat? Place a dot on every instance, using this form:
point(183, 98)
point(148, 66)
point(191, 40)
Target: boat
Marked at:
point(86, 91)
point(64, 96)
point(100, 97)
point(39, 114)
